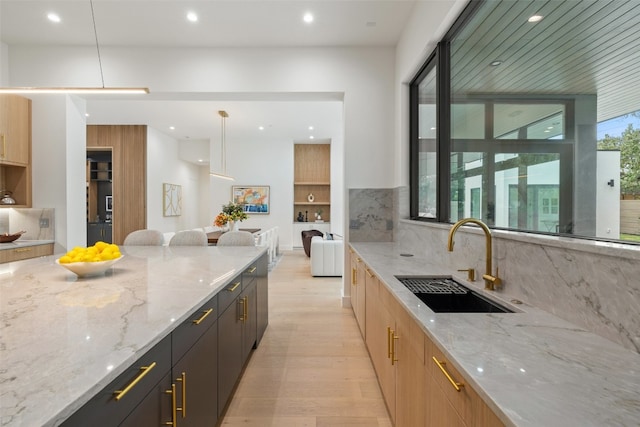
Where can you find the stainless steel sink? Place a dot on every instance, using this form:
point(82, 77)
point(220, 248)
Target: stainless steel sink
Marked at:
point(446, 295)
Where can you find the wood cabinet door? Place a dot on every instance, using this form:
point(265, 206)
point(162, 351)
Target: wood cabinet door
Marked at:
point(380, 327)
point(196, 378)
point(15, 129)
point(411, 388)
point(358, 300)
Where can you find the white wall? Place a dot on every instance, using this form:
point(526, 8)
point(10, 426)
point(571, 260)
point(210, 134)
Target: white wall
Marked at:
point(363, 75)
point(164, 166)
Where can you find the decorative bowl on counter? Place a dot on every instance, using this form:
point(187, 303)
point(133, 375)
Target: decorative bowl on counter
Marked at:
point(82, 269)
point(7, 238)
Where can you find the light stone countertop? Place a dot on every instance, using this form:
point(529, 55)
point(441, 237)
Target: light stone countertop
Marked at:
point(63, 338)
point(23, 243)
point(531, 368)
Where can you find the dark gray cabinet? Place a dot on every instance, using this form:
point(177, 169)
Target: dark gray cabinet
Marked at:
point(195, 368)
point(121, 398)
point(99, 231)
point(188, 378)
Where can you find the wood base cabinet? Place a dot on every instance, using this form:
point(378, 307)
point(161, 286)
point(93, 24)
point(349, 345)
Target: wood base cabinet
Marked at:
point(358, 290)
point(452, 399)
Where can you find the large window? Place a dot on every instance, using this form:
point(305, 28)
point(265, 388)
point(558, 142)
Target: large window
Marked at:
point(510, 118)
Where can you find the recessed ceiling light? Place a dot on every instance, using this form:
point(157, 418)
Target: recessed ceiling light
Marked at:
point(433, 128)
point(261, 127)
point(310, 127)
point(192, 17)
point(87, 114)
point(535, 18)
point(200, 160)
point(311, 137)
point(53, 17)
point(308, 18)
point(495, 63)
point(172, 127)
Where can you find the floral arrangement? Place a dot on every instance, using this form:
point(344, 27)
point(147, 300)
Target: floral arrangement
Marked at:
point(230, 212)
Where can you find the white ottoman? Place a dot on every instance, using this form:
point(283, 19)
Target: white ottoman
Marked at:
point(327, 257)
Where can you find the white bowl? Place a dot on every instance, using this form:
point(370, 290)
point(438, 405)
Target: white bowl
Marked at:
point(89, 268)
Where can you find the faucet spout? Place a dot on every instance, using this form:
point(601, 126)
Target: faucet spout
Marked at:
point(490, 281)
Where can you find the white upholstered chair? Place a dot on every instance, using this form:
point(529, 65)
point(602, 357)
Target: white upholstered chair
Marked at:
point(189, 238)
point(327, 257)
point(144, 238)
point(236, 238)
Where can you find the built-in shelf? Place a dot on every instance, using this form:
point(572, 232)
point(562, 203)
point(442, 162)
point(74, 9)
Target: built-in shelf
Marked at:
point(312, 180)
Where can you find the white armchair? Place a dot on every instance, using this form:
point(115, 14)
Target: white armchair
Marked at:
point(327, 257)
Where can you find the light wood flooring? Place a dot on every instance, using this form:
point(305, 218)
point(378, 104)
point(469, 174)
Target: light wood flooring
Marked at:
point(312, 368)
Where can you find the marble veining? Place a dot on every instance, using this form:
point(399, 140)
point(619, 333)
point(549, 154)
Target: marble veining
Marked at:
point(591, 284)
point(63, 338)
point(371, 215)
point(532, 367)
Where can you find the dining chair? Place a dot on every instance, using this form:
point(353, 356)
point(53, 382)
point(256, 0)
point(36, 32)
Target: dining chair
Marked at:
point(189, 238)
point(144, 238)
point(236, 238)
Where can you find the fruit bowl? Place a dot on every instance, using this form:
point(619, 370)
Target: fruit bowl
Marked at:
point(82, 269)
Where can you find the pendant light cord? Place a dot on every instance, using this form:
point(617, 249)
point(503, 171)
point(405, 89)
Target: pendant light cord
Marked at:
point(95, 32)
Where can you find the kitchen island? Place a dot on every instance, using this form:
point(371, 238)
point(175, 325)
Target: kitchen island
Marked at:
point(64, 338)
point(529, 367)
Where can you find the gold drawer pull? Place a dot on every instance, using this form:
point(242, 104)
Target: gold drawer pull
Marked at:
point(145, 370)
point(174, 409)
point(389, 332)
point(234, 287)
point(354, 276)
point(183, 379)
point(455, 385)
point(204, 316)
point(251, 270)
point(394, 337)
point(22, 250)
point(368, 272)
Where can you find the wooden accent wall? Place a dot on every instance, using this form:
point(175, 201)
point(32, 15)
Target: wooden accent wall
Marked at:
point(129, 157)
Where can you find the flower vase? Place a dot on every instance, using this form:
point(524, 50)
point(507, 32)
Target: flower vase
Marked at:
point(236, 226)
point(230, 225)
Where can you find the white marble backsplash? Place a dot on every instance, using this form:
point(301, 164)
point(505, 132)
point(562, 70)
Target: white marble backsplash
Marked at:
point(39, 224)
point(592, 284)
point(372, 214)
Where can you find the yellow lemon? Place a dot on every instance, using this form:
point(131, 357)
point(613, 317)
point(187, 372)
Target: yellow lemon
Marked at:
point(65, 259)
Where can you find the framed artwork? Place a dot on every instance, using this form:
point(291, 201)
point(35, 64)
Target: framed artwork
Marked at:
point(171, 199)
point(109, 204)
point(253, 198)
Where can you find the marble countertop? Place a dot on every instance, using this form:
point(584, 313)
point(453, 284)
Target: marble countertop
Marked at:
point(23, 243)
point(532, 368)
point(63, 338)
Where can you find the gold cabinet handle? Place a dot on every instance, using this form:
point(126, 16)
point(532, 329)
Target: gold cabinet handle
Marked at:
point(394, 337)
point(174, 415)
point(455, 385)
point(183, 379)
point(234, 287)
point(354, 276)
point(204, 316)
point(388, 342)
point(145, 370)
point(251, 270)
point(23, 250)
point(368, 272)
point(358, 260)
point(246, 308)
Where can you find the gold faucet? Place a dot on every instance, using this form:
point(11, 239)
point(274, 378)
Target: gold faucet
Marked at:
point(490, 281)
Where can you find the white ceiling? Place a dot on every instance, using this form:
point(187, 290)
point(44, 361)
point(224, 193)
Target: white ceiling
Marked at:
point(221, 23)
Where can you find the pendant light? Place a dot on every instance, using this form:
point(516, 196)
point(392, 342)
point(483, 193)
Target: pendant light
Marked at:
point(81, 90)
point(223, 148)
